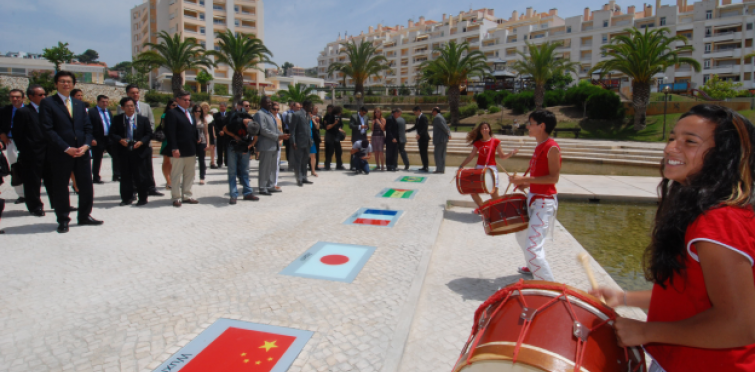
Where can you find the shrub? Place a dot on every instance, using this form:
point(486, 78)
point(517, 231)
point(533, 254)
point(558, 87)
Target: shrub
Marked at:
point(155, 98)
point(486, 98)
point(346, 113)
point(468, 110)
point(554, 98)
point(520, 103)
point(480, 112)
point(221, 90)
point(604, 105)
point(200, 97)
point(578, 94)
point(43, 78)
point(500, 96)
point(494, 109)
point(4, 96)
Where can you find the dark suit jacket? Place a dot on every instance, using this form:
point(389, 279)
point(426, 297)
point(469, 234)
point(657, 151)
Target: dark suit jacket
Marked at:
point(218, 123)
point(421, 126)
point(391, 130)
point(143, 133)
point(61, 130)
point(354, 123)
point(29, 136)
point(5, 117)
point(316, 132)
point(98, 127)
point(182, 134)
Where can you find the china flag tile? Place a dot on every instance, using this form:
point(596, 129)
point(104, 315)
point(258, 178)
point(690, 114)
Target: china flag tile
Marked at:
point(241, 350)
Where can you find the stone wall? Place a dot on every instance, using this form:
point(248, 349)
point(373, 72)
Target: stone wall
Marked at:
point(91, 91)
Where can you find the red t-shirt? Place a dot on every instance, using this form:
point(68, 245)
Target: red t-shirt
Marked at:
point(733, 228)
point(484, 149)
point(539, 167)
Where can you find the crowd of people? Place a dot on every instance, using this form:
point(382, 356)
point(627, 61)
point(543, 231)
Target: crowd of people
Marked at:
point(60, 142)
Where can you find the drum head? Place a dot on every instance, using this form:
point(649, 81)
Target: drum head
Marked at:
point(499, 366)
point(489, 181)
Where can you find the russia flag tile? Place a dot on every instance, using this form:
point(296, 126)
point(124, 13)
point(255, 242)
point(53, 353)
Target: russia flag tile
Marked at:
point(330, 261)
point(374, 217)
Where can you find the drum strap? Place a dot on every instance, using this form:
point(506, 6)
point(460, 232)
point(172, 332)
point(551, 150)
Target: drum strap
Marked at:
point(487, 161)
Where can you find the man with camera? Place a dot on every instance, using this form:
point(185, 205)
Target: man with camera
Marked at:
point(131, 134)
point(360, 156)
point(238, 129)
point(268, 146)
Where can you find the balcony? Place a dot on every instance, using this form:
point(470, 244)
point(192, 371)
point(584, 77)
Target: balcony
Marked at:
point(587, 58)
point(723, 36)
point(586, 45)
point(723, 69)
point(218, 22)
point(725, 53)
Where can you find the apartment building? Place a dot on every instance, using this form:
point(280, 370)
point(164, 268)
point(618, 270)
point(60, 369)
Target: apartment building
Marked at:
point(406, 47)
point(199, 19)
point(720, 31)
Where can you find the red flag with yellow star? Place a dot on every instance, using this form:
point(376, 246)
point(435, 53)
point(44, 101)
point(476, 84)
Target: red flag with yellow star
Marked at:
point(241, 350)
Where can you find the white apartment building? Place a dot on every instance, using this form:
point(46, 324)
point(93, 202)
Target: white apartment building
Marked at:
point(200, 19)
point(407, 47)
point(720, 31)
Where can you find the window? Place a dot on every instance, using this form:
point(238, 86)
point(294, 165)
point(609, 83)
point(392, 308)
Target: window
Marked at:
point(663, 21)
point(605, 23)
point(568, 29)
point(237, 23)
point(707, 48)
point(201, 16)
point(605, 39)
point(706, 78)
point(706, 64)
point(708, 14)
point(236, 8)
point(202, 30)
point(201, 2)
point(749, 26)
point(708, 31)
point(514, 30)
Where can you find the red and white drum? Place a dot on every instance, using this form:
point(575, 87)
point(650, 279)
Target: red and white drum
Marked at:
point(506, 215)
point(475, 181)
point(539, 326)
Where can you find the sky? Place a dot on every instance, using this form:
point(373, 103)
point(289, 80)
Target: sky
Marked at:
point(295, 30)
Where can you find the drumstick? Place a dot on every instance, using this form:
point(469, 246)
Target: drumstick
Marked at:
point(585, 260)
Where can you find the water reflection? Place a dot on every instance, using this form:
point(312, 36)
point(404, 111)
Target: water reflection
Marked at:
point(615, 235)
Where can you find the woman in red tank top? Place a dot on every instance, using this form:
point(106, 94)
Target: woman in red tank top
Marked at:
point(485, 147)
point(701, 310)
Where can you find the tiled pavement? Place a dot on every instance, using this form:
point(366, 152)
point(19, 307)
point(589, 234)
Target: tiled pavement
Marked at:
point(125, 296)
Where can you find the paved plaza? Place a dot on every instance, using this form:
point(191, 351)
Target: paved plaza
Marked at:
point(129, 294)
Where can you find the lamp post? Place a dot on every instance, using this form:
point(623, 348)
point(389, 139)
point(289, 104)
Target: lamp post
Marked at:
point(665, 109)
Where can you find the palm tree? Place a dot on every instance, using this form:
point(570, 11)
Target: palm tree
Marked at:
point(363, 63)
point(298, 93)
point(452, 68)
point(240, 52)
point(175, 55)
point(641, 55)
point(541, 65)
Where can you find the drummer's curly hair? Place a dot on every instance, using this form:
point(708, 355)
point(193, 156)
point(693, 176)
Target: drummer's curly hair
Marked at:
point(476, 134)
point(726, 179)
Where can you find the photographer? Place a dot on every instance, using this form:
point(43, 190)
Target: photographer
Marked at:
point(131, 133)
point(360, 156)
point(240, 128)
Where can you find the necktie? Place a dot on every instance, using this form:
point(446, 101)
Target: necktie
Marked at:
point(188, 116)
point(130, 130)
point(107, 122)
point(69, 105)
point(137, 107)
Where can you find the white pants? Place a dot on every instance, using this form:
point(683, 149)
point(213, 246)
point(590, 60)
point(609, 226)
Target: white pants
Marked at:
point(278, 167)
point(12, 153)
point(532, 240)
point(495, 172)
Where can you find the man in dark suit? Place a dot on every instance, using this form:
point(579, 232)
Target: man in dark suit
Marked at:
point(423, 137)
point(143, 109)
point(359, 124)
point(221, 140)
point(401, 140)
point(102, 119)
point(7, 115)
point(301, 140)
point(131, 133)
point(69, 136)
point(30, 139)
point(391, 142)
point(182, 135)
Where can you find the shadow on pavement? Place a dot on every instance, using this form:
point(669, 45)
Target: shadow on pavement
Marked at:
point(37, 228)
point(479, 289)
point(463, 217)
point(11, 214)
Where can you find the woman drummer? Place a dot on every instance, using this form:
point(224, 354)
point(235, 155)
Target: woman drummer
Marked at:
point(701, 310)
point(483, 145)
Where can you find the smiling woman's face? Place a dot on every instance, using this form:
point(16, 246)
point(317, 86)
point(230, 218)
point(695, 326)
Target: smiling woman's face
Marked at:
point(685, 151)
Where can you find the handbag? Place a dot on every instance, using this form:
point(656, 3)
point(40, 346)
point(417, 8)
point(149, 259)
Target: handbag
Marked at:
point(159, 134)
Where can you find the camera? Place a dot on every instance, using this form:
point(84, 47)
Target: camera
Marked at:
point(130, 145)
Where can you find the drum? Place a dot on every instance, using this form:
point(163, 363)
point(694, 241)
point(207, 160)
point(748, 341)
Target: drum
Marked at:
point(475, 181)
point(506, 215)
point(538, 326)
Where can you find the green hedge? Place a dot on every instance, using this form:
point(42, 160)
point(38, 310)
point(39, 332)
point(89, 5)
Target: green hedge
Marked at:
point(604, 105)
point(468, 110)
point(520, 103)
point(412, 99)
point(578, 94)
point(494, 109)
point(554, 98)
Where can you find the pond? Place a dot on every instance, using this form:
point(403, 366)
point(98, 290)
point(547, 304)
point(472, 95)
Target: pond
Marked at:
point(616, 235)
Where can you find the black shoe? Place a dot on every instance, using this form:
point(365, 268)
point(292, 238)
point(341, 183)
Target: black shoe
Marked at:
point(39, 212)
point(274, 190)
point(2, 232)
point(406, 167)
point(424, 170)
point(281, 170)
point(127, 202)
point(327, 168)
point(141, 202)
point(62, 228)
point(73, 209)
point(20, 200)
point(298, 183)
point(90, 221)
point(232, 201)
point(439, 172)
point(340, 168)
point(155, 193)
point(266, 193)
point(307, 182)
point(213, 166)
point(117, 179)
point(98, 182)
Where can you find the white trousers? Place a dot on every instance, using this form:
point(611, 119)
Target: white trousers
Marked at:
point(12, 153)
point(542, 214)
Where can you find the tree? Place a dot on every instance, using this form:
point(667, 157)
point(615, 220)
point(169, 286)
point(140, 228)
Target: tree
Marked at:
point(299, 93)
point(89, 56)
point(122, 66)
point(240, 53)
point(286, 65)
point(137, 78)
point(720, 89)
point(58, 55)
point(452, 68)
point(43, 78)
point(4, 96)
point(175, 55)
point(363, 63)
point(559, 82)
point(541, 64)
point(204, 78)
point(641, 55)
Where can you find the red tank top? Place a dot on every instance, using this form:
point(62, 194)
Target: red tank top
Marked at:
point(539, 166)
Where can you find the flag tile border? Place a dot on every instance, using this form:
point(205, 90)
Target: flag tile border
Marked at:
point(178, 361)
point(351, 221)
point(385, 190)
point(424, 179)
point(290, 270)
